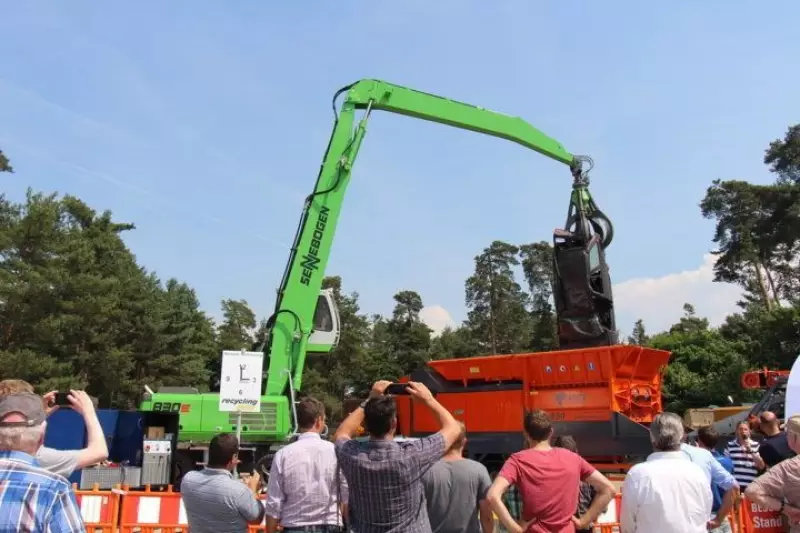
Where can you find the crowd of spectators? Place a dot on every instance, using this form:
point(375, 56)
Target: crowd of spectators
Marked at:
point(381, 484)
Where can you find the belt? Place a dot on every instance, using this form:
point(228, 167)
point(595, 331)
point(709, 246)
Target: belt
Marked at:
point(319, 528)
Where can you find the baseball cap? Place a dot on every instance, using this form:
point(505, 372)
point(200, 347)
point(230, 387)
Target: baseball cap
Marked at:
point(27, 404)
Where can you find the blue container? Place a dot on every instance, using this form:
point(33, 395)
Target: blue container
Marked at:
point(66, 430)
point(128, 437)
point(108, 421)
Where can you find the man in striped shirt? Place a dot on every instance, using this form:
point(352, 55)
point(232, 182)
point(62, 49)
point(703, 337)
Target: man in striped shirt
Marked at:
point(743, 451)
point(31, 498)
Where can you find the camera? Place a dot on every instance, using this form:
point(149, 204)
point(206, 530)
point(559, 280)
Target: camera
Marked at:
point(397, 389)
point(61, 399)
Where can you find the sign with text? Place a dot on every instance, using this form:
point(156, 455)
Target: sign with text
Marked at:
point(240, 381)
point(763, 520)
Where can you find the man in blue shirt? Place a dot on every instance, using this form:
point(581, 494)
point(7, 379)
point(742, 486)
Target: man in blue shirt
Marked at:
point(32, 499)
point(724, 487)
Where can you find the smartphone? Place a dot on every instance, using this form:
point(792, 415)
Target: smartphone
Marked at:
point(61, 399)
point(396, 389)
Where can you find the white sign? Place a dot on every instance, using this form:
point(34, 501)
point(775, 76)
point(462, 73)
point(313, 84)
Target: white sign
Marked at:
point(240, 381)
point(792, 404)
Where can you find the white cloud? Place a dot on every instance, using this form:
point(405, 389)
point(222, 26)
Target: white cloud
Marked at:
point(659, 301)
point(437, 318)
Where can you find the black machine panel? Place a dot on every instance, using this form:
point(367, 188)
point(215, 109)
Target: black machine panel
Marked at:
point(618, 437)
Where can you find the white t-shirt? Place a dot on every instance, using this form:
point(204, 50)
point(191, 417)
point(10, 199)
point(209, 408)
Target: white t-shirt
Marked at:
point(668, 493)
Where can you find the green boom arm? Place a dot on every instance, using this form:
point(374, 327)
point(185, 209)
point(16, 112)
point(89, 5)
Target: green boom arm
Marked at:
point(302, 280)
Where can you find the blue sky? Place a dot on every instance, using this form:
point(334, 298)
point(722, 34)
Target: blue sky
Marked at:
point(205, 123)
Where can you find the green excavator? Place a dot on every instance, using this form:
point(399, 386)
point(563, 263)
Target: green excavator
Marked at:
point(306, 319)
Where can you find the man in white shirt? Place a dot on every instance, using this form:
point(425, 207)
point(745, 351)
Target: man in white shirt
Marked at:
point(306, 491)
point(668, 493)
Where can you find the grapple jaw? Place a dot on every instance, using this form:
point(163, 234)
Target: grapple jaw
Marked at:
point(584, 304)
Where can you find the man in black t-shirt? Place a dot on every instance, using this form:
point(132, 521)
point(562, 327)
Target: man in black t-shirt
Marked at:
point(774, 448)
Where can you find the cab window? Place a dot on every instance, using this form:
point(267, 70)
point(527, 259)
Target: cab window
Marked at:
point(323, 321)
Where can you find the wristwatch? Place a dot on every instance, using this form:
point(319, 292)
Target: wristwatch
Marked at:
point(363, 404)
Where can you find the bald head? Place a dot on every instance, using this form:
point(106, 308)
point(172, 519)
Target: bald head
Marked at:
point(768, 417)
point(769, 423)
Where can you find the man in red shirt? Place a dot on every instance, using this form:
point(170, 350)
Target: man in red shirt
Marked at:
point(547, 478)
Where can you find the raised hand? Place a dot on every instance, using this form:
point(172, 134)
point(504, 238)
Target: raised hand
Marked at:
point(419, 392)
point(379, 387)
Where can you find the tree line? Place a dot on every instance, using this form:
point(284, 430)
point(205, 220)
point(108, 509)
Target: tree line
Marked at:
point(77, 310)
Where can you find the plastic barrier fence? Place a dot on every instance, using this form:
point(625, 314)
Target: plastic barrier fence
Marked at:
point(145, 511)
point(125, 511)
point(99, 509)
point(262, 527)
point(759, 520)
point(155, 512)
point(610, 518)
point(747, 517)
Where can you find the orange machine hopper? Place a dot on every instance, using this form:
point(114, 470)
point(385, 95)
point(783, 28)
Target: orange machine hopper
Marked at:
point(603, 396)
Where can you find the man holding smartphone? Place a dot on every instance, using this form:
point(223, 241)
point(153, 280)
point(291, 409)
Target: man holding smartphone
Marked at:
point(65, 462)
point(384, 476)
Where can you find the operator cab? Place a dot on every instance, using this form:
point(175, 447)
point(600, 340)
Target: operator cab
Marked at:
point(582, 292)
point(326, 329)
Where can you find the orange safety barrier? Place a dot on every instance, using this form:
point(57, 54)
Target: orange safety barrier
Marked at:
point(262, 527)
point(99, 509)
point(747, 517)
point(760, 520)
point(608, 522)
point(152, 512)
point(155, 512)
point(124, 511)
